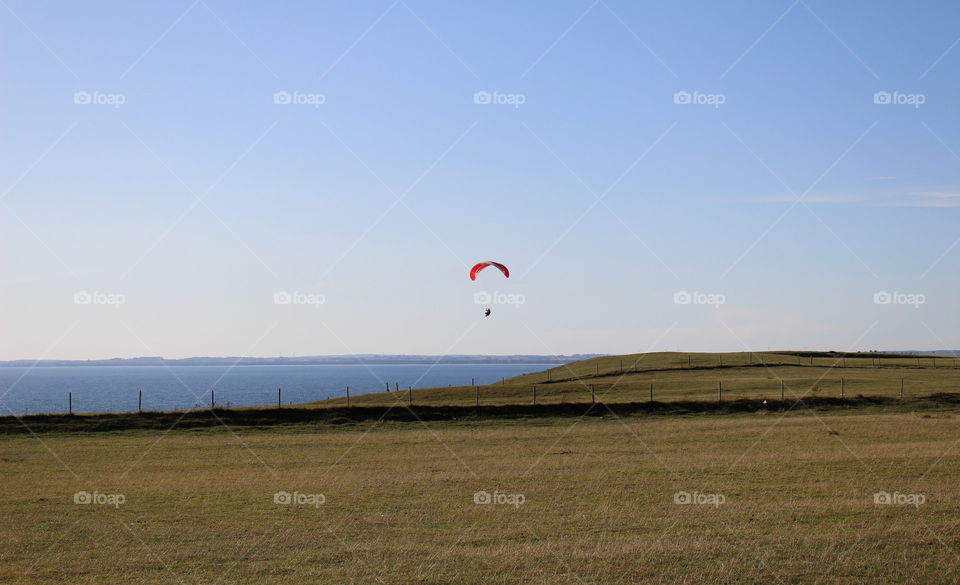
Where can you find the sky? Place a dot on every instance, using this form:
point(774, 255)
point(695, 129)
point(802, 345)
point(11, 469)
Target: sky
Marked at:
point(213, 178)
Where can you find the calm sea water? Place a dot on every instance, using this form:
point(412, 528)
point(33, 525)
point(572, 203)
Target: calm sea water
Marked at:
point(114, 388)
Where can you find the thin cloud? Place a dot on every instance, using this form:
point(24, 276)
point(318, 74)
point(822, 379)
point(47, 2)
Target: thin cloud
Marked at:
point(929, 199)
point(926, 203)
point(945, 194)
point(936, 199)
point(825, 198)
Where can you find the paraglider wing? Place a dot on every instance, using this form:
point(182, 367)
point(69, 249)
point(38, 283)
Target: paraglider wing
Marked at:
point(481, 265)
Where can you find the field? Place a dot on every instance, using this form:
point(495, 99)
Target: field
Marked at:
point(669, 377)
point(818, 490)
point(788, 499)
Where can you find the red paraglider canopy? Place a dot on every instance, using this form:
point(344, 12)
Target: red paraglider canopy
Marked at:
point(481, 265)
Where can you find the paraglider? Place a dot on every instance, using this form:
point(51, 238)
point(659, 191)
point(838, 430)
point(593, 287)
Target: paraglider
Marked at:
point(480, 266)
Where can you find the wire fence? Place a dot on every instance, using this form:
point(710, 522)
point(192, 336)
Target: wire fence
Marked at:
point(831, 383)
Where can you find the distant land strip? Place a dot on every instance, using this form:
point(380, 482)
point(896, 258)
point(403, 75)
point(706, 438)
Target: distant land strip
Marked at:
point(354, 359)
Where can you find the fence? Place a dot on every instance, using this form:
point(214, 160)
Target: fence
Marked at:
point(663, 390)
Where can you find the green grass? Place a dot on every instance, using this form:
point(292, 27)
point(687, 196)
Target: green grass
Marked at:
point(796, 480)
point(697, 377)
point(658, 361)
point(399, 505)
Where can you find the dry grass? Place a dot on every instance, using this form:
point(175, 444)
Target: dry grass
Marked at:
point(697, 377)
point(599, 503)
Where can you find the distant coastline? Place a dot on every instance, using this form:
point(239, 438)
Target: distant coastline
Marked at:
point(364, 359)
point(357, 359)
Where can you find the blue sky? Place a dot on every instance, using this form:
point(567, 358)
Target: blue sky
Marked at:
point(146, 165)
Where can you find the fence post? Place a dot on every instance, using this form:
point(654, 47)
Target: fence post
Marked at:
point(901, 387)
point(651, 391)
point(279, 398)
point(70, 402)
point(410, 395)
point(348, 396)
point(387, 384)
point(719, 391)
point(593, 393)
point(478, 396)
point(534, 393)
point(213, 402)
point(140, 400)
point(781, 390)
point(472, 382)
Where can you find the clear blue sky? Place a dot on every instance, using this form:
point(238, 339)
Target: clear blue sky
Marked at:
point(198, 198)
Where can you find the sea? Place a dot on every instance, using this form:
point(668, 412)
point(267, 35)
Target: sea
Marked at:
point(91, 389)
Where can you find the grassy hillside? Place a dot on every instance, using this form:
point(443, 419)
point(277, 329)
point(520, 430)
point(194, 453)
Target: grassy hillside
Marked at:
point(656, 383)
point(671, 376)
point(661, 361)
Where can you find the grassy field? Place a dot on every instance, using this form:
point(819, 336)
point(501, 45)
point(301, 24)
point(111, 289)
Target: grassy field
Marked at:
point(684, 489)
point(777, 499)
point(671, 377)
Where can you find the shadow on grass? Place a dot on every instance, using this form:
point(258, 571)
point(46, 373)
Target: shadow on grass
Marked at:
point(333, 416)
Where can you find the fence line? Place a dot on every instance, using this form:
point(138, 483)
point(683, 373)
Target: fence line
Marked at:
point(672, 390)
